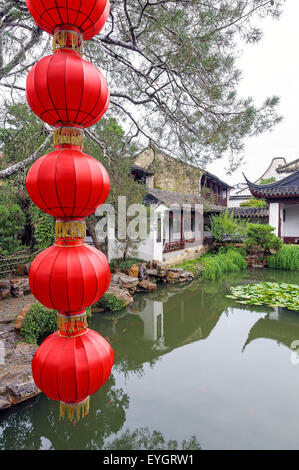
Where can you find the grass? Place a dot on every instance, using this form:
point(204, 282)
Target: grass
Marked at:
point(212, 267)
point(287, 258)
point(127, 264)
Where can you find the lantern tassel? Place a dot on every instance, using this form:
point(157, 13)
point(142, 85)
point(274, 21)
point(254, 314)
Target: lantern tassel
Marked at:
point(71, 229)
point(75, 410)
point(72, 325)
point(69, 135)
point(68, 39)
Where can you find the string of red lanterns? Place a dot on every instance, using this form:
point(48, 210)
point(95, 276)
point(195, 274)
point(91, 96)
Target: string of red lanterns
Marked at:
point(70, 94)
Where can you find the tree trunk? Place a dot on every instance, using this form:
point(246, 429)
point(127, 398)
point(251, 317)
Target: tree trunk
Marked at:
point(92, 234)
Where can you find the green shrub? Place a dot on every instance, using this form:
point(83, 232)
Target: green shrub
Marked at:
point(39, 323)
point(225, 249)
point(287, 258)
point(253, 202)
point(127, 264)
point(214, 267)
point(44, 227)
point(12, 221)
point(191, 265)
point(262, 235)
point(111, 302)
point(267, 180)
point(225, 226)
point(228, 260)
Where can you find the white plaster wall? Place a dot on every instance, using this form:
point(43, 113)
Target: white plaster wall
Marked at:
point(271, 171)
point(274, 216)
point(149, 316)
point(148, 249)
point(235, 202)
point(291, 225)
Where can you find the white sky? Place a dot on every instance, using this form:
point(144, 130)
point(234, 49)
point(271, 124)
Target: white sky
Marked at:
point(269, 68)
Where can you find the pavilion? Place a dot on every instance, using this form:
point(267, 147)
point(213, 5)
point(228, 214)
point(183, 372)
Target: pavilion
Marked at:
point(282, 198)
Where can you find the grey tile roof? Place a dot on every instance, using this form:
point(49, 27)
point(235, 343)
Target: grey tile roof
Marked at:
point(289, 167)
point(248, 212)
point(168, 197)
point(288, 186)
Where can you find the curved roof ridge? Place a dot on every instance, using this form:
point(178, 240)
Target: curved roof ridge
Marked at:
point(271, 163)
point(287, 179)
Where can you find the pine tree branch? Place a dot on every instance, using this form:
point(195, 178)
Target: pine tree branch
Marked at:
point(17, 167)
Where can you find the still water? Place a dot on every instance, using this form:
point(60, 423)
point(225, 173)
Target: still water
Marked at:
point(193, 369)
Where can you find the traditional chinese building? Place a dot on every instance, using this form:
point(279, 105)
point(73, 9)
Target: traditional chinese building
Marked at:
point(277, 170)
point(179, 194)
point(283, 204)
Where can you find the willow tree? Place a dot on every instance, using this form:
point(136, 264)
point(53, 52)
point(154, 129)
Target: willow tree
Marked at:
point(171, 67)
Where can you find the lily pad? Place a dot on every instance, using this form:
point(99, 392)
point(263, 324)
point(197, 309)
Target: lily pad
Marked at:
point(273, 294)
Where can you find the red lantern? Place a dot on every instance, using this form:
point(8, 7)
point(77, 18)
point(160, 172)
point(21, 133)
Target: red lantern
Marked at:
point(69, 276)
point(87, 16)
point(70, 94)
point(68, 184)
point(71, 369)
point(65, 90)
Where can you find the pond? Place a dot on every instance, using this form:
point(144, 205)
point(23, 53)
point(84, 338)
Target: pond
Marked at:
point(193, 369)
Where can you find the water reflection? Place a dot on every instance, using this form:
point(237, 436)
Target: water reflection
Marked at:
point(191, 333)
point(143, 439)
point(36, 425)
point(280, 325)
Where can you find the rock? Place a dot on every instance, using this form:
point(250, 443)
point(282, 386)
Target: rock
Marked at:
point(21, 270)
point(4, 289)
point(142, 274)
point(21, 317)
point(172, 275)
point(161, 267)
point(3, 373)
point(128, 282)
point(4, 403)
point(175, 270)
point(22, 390)
point(146, 286)
point(25, 351)
point(121, 293)
point(4, 284)
point(134, 271)
point(4, 294)
point(20, 286)
point(187, 275)
point(178, 275)
point(27, 267)
point(152, 272)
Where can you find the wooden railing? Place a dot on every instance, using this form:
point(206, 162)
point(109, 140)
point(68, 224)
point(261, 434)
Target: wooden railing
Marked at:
point(177, 245)
point(291, 240)
point(174, 246)
point(9, 264)
point(215, 199)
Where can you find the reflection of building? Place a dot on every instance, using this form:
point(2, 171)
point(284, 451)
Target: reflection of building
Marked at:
point(178, 321)
point(280, 325)
point(152, 317)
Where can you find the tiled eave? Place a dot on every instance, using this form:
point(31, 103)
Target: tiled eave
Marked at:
point(269, 193)
point(286, 188)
